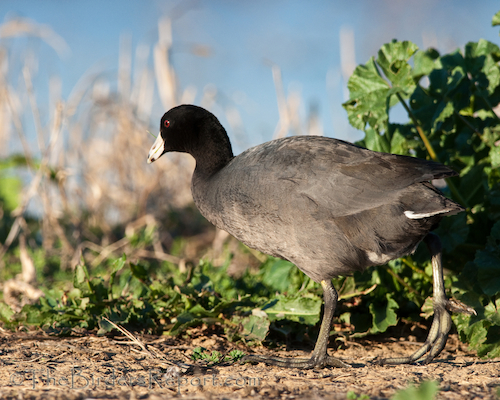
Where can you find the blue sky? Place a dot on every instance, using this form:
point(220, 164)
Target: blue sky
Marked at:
point(301, 37)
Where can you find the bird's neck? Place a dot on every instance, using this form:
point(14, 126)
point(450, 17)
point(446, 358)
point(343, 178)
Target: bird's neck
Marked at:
point(214, 153)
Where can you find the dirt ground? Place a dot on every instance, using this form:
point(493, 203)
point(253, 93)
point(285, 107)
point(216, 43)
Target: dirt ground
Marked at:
point(35, 366)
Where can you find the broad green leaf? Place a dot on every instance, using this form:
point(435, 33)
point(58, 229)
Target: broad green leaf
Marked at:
point(184, 321)
point(368, 93)
point(449, 83)
point(277, 276)
point(481, 60)
point(404, 138)
point(443, 111)
point(452, 63)
point(491, 346)
point(375, 141)
point(424, 105)
point(393, 60)
point(305, 310)
point(425, 62)
point(199, 311)
point(473, 184)
point(477, 333)
point(453, 231)
point(491, 311)
point(481, 48)
point(399, 144)
point(384, 315)
point(365, 80)
point(253, 327)
point(488, 265)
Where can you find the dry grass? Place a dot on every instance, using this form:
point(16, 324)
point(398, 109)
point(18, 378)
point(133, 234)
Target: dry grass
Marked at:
point(87, 167)
point(87, 171)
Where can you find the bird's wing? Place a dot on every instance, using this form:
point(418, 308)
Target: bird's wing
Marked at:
point(338, 176)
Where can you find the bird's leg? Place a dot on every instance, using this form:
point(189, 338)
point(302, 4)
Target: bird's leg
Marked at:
point(319, 357)
point(441, 324)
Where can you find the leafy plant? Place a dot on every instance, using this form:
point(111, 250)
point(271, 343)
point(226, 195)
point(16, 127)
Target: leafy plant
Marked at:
point(353, 396)
point(216, 357)
point(425, 391)
point(450, 101)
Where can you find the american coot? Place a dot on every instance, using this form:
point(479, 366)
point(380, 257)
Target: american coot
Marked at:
point(326, 205)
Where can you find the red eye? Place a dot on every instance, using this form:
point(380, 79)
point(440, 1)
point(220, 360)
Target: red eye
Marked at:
point(166, 123)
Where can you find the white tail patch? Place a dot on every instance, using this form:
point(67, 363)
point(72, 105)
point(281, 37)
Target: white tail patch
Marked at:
point(414, 215)
point(376, 258)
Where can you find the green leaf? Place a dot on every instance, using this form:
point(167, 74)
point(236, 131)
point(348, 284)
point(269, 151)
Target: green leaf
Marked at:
point(495, 156)
point(443, 111)
point(399, 144)
point(104, 327)
point(253, 327)
point(139, 272)
point(496, 19)
point(5, 312)
point(424, 106)
point(368, 93)
point(448, 83)
point(393, 60)
point(117, 266)
point(472, 184)
point(424, 62)
point(81, 278)
point(184, 321)
point(488, 264)
point(199, 311)
point(305, 310)
point(453, 231)
point(376, 142)
point(384, 315)
point(277, 277)
point(84, 302)
point(426, 391)
point(491, 312)
point(477, 333)
point(481, 60)
point(488, 271)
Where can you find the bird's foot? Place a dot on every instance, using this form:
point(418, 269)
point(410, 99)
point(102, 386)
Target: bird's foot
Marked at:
point(438, 333)
point(300, 363)
point(457, 307)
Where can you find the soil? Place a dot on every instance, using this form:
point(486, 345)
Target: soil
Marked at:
point(36, 366)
